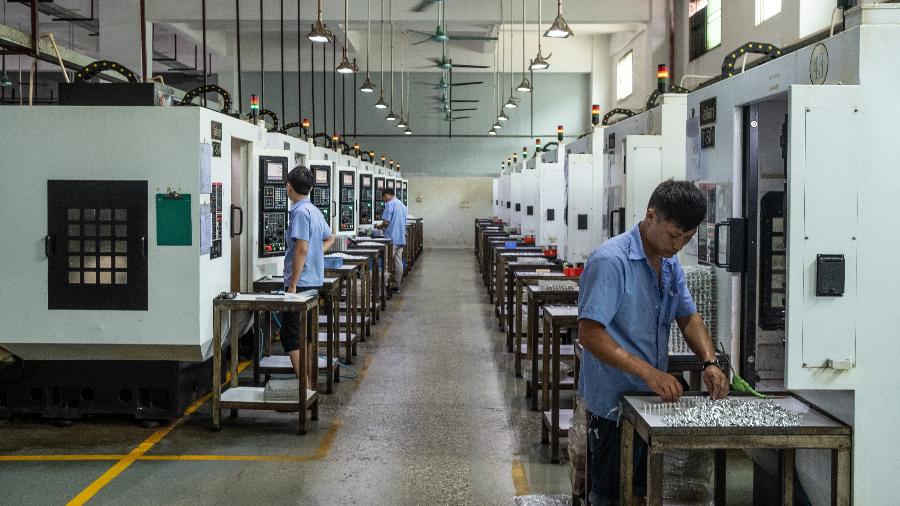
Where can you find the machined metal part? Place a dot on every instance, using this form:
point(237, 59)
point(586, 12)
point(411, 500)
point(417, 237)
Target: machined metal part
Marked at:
point(732, 412)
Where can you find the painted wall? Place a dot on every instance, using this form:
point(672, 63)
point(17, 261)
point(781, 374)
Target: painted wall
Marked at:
point(559, 99)
point(449, 206)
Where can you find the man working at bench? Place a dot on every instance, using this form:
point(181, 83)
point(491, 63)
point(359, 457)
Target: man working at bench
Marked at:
point(309, 237)
point(632, 288)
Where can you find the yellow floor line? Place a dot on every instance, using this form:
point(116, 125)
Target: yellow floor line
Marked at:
point(57, 458)
point(520, 481)
point(145, 446)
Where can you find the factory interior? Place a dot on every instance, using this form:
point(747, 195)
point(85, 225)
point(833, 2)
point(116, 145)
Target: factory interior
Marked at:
point(602, 252)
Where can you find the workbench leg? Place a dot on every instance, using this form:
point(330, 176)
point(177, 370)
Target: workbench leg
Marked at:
point(587, 461)
point(303, 376)
point(840, 476)
point(719, 473)
point(517, 325)
point(217, 368)
point(626, 463)
point(545, 367)
point(233, 342)
point(257, 335)
point(329, 343)
point(554, 397)
point(312, 337)
point(786, 464)
point(654, 476)
point(533, 351)
point(349, 348)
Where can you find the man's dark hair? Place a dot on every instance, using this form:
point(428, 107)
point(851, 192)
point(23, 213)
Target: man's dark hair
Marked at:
point(301, 180)
point(387, 191)
point(679, 202)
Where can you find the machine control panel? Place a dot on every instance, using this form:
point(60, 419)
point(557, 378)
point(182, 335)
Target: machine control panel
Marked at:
point(405, 193)
point(365, 199)
point(321, 191)
point(379, 202)
point(347, 201)
point(273, 205)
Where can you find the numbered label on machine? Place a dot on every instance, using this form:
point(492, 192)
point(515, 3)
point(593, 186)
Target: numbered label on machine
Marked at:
point(347, 201)
point(365, 199)
point(321, 191)
point(273, 209)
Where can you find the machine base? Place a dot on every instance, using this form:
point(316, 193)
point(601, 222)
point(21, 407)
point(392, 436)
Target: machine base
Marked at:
point(148, 390)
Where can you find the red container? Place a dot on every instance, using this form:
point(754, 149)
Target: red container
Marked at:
point(528, 239)
point(550, 253)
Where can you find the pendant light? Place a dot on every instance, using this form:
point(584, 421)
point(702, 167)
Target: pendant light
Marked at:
point(524, 86)
point(368, 86)
point(5, 81)
point(319, 33)
point(559, 29)
point(402, 122)
point(346, 66)
point(539, 62)
point(380, 104)
point(408, 130)
point(511, 102)
point(390, 115)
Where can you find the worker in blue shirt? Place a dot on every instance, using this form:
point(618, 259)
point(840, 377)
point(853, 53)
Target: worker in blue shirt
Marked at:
point(393, 222)
point(309, 237)
point(632, 288)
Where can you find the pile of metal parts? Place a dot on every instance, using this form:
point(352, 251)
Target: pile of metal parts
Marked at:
point(701, 282)
point(557, 285)
point(531, 260)
point(731, 412)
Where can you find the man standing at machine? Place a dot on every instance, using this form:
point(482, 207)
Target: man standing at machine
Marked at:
point(393, 222)
point(632, 288)
point(309, 237)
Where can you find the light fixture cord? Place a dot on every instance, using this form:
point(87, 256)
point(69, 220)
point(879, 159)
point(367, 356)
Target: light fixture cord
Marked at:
point(391, 23)
point(523, 38)
point(368, 33)
point(381, 41)
point(402, 36)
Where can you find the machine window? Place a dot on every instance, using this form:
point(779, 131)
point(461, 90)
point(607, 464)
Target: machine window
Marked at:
point(705, 26)
point(766, 10)
point(624, 76)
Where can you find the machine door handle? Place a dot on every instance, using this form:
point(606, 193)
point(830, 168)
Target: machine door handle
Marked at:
point(50, 245)
point(240, 221)
point(719, 226)
point(144, 247)
point(612, 215)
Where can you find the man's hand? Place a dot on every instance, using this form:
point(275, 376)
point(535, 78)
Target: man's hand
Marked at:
point(292, 289)
point(716, 382)
point(665, 385)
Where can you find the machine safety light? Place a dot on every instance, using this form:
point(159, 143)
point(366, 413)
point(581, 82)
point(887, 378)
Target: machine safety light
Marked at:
point(595, 114)
point(559, 133)
point(662, 77)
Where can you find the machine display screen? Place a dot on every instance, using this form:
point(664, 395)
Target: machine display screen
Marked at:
point(367, 180)
point(274, 171)
point(348, 180)
point(321, 176)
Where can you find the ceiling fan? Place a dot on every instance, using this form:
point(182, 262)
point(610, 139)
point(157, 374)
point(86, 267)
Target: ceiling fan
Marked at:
point(424, 4)
point(441, 35)
point(444, 85)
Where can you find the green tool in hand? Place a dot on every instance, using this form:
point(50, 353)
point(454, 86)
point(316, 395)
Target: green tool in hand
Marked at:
point(739, 384)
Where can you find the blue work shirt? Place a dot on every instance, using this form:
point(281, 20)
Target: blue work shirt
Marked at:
point(307, 224)
point(620, 290)
point(395, 213)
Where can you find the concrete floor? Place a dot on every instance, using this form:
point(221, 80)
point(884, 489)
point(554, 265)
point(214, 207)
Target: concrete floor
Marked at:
point(435, 417)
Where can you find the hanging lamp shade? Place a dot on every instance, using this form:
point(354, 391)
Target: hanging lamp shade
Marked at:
point(502, 116)
point(319, 33)
point(511, 103)
point(524, 86)
point(367, 86)
point(391, 116)
point(407, 132)
point(402, 123)
point(492, 131)
point(559, 29)
point(497, 126)
point(5, 81)
point(539, 62)
point(381, 104)
point(346, 66)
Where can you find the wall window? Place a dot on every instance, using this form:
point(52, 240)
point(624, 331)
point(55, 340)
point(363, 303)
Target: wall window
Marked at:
point(766, 9)
point(705, 26)
point(624, 75)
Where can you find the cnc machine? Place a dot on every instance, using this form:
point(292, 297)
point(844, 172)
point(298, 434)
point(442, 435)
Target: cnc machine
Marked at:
point(584, 170)
point(366, 182)
point(551, 188)
point(797, 158)
point(115, 264)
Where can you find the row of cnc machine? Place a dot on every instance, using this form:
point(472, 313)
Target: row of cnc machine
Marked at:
point(129, 221)
point(798, 166)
